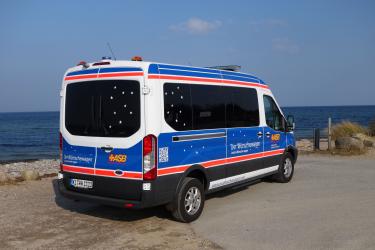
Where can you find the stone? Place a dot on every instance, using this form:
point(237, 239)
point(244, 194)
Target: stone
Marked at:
point(368, 143)
point(4, 178)
point(30, 175)
point(349, 143)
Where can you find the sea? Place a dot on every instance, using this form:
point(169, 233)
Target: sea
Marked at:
point(35, 135)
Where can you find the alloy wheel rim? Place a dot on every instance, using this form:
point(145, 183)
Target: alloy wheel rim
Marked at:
point(193, 199)
point(288, 167)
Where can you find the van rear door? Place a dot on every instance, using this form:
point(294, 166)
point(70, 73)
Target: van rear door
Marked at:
point(103, 128)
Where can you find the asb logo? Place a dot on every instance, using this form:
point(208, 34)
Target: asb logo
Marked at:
point(117, 158)
point(275, 137)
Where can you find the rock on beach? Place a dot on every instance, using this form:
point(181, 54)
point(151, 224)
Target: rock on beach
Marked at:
point(349, 143)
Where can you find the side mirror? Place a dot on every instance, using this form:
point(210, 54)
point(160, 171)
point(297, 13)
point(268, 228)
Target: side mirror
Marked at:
point(290, 123)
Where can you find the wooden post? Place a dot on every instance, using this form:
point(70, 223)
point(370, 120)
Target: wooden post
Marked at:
point(329, 134)
point(316, 139)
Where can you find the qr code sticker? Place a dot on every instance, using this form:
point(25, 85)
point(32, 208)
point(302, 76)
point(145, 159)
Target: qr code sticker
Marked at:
point(163, 154)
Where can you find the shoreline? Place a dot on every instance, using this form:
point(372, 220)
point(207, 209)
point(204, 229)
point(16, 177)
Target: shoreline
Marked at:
point(15, 171)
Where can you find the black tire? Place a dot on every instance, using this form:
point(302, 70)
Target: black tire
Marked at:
point(178, 208)
point(284, 175)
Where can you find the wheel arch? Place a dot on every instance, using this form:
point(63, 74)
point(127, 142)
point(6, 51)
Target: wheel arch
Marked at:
point(195, 171)
point(293, 151)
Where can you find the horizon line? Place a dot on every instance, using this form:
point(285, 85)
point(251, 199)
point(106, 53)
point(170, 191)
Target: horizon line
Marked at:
point(309, 106)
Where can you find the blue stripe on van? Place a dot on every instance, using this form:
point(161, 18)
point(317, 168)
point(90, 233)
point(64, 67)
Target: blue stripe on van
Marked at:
point(189, 73)
point(83, 72)
point(165, 69)
point(153, 69)
point(240, 78)
point(233, 73)
point(186, 68)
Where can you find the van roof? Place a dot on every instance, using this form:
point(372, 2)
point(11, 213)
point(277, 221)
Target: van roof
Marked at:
point(166, 71)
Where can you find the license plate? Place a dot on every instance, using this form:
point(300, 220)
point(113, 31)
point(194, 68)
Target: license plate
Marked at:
point(81, 183)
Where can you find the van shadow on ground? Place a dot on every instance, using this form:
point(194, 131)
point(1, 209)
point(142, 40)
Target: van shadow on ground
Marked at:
point(123, 214)
point(107, 212)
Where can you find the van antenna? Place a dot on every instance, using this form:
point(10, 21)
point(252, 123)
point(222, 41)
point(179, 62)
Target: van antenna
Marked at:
point(110, 49)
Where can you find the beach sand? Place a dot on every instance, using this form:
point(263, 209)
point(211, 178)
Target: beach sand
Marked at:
point(34, 215)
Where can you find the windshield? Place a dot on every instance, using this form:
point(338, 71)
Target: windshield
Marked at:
point(105, 108)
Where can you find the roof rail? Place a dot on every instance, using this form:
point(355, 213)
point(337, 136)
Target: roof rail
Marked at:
point(235, 68)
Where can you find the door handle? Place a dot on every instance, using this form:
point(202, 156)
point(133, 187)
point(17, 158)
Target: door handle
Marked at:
point(260, 133)
point(107, 149)
point(268, 134)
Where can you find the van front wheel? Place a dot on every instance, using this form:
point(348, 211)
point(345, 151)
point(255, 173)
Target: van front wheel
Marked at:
point(286, 169)
point(189, 201)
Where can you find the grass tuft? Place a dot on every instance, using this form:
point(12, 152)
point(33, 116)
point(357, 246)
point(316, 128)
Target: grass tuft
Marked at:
point(347, 128)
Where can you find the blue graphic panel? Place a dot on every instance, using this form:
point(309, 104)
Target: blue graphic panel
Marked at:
point(244, 141)
point(78, 155)
point(274, 139)
point(133, 159)
point(190, 151)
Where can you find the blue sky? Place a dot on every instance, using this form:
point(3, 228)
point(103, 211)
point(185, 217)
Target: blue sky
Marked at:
point(311, 53)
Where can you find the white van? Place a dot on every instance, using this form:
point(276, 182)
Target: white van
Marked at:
point(138, 134)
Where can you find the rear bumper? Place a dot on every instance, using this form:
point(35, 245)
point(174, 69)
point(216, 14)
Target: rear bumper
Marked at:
point(98, 199)
point(120, 192)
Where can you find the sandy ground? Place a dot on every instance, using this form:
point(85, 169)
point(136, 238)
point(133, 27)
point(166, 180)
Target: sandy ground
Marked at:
point(330, 204)
point(32, 216)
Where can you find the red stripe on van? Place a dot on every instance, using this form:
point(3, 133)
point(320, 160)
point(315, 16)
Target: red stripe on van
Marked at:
point(184, 78)
point(68, 78)
point(103, 172)
point(214, 163)
point(103, 75)
point(111, 173)
point(219, 162)
point(75, 169)
point(172, 170)
point(274, 152)
point(120, 74)
point(245, 83)
point(244, 157)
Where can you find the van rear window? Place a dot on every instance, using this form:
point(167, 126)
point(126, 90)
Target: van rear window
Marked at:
point(105, 108)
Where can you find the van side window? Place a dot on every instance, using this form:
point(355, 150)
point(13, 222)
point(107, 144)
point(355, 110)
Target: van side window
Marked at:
point(177, 106)
point(208, 106)
point(274, 118)
point(194, 107)
point(242, 108)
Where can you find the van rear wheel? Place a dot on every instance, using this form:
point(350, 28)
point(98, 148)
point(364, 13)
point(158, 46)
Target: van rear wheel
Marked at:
point(189, 201)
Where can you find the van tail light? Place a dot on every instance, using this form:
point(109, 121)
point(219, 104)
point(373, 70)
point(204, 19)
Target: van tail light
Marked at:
point(60, 149)
point(149, 158)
